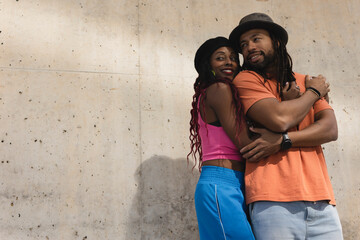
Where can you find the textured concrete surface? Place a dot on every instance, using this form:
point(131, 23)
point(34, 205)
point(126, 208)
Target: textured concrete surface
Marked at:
point(94, 110)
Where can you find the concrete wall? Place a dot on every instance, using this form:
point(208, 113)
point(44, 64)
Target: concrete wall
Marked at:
point(94, 110)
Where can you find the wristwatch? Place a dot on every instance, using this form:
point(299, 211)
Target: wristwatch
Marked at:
point(286, 142)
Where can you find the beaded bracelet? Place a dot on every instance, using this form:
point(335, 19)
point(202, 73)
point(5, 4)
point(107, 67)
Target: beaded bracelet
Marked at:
point(314, 90)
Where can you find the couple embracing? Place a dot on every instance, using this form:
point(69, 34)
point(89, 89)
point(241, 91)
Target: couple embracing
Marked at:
point(256, 132)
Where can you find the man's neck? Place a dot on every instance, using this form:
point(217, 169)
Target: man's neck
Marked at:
point(271, 73)
point(268, 72)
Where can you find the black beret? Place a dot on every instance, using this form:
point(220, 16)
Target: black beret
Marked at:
point(207, 48)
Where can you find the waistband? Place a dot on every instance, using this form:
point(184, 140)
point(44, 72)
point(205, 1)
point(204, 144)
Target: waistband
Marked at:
point(220, 175)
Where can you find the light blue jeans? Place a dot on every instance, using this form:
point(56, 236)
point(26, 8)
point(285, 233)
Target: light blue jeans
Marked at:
point(220, 205)
point(295, 221)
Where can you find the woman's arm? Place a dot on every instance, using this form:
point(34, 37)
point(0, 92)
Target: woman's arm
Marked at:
point(219, 98)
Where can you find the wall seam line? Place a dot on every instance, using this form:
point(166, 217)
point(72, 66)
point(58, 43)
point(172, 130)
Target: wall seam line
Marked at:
point(140, 186)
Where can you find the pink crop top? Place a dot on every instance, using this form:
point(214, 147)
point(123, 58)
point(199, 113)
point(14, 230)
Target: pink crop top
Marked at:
point(215, 143)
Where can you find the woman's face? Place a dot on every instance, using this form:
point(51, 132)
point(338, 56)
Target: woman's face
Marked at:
point(224, 63)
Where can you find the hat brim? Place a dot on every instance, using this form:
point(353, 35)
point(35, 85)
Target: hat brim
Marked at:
point(269, 26)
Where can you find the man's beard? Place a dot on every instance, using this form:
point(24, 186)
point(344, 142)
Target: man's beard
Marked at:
point(261, 66)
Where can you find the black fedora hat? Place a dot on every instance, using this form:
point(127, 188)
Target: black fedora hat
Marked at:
point(257, 20)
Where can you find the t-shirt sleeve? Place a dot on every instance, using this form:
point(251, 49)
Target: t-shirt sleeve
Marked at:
point(320, 105)
point(251, 89)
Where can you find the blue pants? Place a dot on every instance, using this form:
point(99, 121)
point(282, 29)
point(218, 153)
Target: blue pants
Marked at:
point(220, 205)
point(295, 221)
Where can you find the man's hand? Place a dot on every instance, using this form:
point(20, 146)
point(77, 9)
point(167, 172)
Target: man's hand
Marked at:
point(267, 144)
point(319, 83)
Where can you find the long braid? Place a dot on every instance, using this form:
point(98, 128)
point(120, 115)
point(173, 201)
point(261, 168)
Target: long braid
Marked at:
point(195, 140)
point(283, 63)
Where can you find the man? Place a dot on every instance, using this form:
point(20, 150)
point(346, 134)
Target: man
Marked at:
point(289, 193)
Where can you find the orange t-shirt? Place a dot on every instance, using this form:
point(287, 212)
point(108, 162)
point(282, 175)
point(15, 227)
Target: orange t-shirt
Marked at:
point(297, 174)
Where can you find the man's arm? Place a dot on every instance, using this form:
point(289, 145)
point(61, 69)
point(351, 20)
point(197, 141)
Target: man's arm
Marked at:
point(323, 130)
point(280, 116)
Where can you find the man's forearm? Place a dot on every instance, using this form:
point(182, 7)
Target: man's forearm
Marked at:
point(281, 116)
point(323, 130)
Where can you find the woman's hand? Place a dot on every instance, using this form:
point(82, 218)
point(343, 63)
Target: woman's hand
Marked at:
point(267, 144)
point(290, 91)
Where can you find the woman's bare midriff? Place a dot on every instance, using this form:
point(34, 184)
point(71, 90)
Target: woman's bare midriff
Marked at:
point(226, 163)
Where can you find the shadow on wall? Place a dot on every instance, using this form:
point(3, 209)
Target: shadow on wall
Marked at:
point(350, 229)
point(165, 200)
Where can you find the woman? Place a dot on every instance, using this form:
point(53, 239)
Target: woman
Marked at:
point(217, 132)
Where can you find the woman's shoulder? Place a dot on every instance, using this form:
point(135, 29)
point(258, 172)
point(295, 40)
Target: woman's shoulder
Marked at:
point(218, 88)
point(218, 92)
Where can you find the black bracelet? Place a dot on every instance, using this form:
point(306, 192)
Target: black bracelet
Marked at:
point(314, 90)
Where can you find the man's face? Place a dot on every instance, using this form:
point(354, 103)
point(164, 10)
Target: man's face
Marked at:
point(257, 49)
